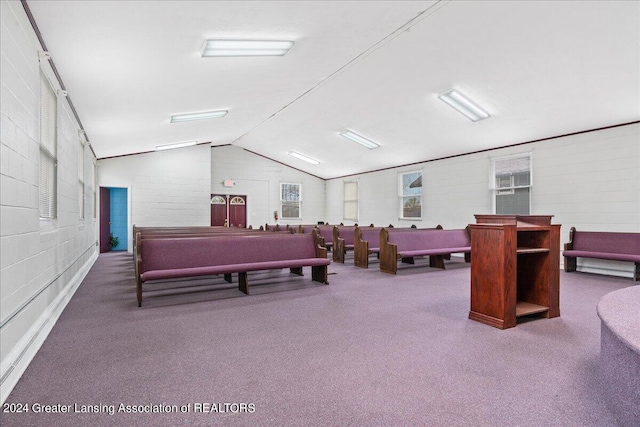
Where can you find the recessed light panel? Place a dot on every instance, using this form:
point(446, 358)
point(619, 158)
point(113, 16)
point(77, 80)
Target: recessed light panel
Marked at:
point(245, 47)
point(303, 157)
point(464, 105)
point(203, 115)
point(176, 145)
point(359, 139)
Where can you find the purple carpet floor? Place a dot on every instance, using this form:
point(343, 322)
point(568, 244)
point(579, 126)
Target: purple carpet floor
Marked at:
point(369, 349)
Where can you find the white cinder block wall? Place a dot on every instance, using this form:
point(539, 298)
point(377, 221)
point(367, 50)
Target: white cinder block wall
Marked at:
point(41, 262)
point(165, 188)
point(259, 179)
point(590, 181)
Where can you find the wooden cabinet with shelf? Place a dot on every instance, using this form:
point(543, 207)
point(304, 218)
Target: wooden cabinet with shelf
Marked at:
point(515, 268)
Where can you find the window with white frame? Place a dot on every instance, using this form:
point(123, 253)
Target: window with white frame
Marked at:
point(95, 190)
point(81, 177)
point(410, 192)
point(511, 178)
point(290, 198)
point(350, 201)
point(47, 180)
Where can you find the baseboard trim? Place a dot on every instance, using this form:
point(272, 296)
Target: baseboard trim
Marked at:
point(17, 361)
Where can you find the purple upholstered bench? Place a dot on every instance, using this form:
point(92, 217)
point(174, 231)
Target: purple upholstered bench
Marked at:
point(435, 243)
point(343, 241)
point(326, 233)
point(366, 242)
point(602, 245)
point(174, 258)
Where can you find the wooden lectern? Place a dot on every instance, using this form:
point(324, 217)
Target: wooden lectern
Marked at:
point(515, 268)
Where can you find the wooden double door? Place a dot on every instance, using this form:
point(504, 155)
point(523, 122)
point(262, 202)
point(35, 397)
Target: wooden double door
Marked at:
point(229, 210)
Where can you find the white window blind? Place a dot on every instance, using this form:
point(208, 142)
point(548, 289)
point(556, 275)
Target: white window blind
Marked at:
point(48, 150)
point(81, 177)
point(290, 197)
point(351, 201)
point(512, 184)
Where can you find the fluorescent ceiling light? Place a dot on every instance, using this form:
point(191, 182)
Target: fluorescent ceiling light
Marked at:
point(245, 48)
point(176, 145)
point(303, 157)
point(464, 105)
point(177, 118)
point(359, 139)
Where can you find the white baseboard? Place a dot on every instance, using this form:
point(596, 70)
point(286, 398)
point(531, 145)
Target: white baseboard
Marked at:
point(17, 361)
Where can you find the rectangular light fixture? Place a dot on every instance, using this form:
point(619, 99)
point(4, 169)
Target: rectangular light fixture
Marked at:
point(359, 139)
point(465, 106)
point(303, 157)
point(177, 118)
point(176, 145)
point(245, 47)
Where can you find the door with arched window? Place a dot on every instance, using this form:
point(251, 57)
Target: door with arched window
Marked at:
point(229, 210)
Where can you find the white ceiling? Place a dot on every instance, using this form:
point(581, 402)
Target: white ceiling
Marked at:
point(541, 69)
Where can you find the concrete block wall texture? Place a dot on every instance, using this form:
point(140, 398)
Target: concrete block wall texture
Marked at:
point(590, 181)
point(42, 261)
point(259, 179)
point(165, 188)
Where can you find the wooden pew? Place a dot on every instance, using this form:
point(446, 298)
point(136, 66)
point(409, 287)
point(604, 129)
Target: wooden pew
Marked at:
point(173, 258)
point(613, 246)
point(435, 243)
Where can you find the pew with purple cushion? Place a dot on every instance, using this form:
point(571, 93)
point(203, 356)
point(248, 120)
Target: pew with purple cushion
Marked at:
point(326, 233)
point(343, 241)
point(602, 245)
point(173, 258)
point(184, 232)
point(434, 243)
point(366, 242)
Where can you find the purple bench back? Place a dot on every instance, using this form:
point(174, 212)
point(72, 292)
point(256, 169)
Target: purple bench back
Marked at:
point(430, 239)
point(167, 254)
point(326, 231)
point(618, 243)
point(347, 233)
point(371, 235)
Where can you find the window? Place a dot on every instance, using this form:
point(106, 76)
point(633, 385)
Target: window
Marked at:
point(95, 191)
point(410, 191)
point(290, 197)
point(81, 177)
point(47, 180)
point(351, 201)
point(512, 184)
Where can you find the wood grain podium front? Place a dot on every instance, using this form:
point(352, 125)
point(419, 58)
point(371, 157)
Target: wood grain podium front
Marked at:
point(515, 268)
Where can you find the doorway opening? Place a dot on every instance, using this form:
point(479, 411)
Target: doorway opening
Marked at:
point(114, 227)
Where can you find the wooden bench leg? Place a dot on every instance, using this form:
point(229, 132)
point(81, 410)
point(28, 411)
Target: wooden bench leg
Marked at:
point(243, 283)
point(447, 257)
point(139, 291)
point(636, 272)
point(570, 264)
point(436, 261)
point(296, 270)
point(319, 273)
point(228, 277)
point(467, 257)
point(408, 260)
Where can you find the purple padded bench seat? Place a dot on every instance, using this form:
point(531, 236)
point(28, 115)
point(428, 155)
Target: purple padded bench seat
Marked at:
point(602, 245)
point(173, 258)
point(435, 243)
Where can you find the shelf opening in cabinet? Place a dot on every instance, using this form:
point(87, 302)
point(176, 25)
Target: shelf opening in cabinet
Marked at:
point(531, 250)
point(525, 308)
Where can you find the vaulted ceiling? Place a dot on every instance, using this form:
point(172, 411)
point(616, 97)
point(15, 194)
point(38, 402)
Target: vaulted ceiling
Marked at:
point(540, 69)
